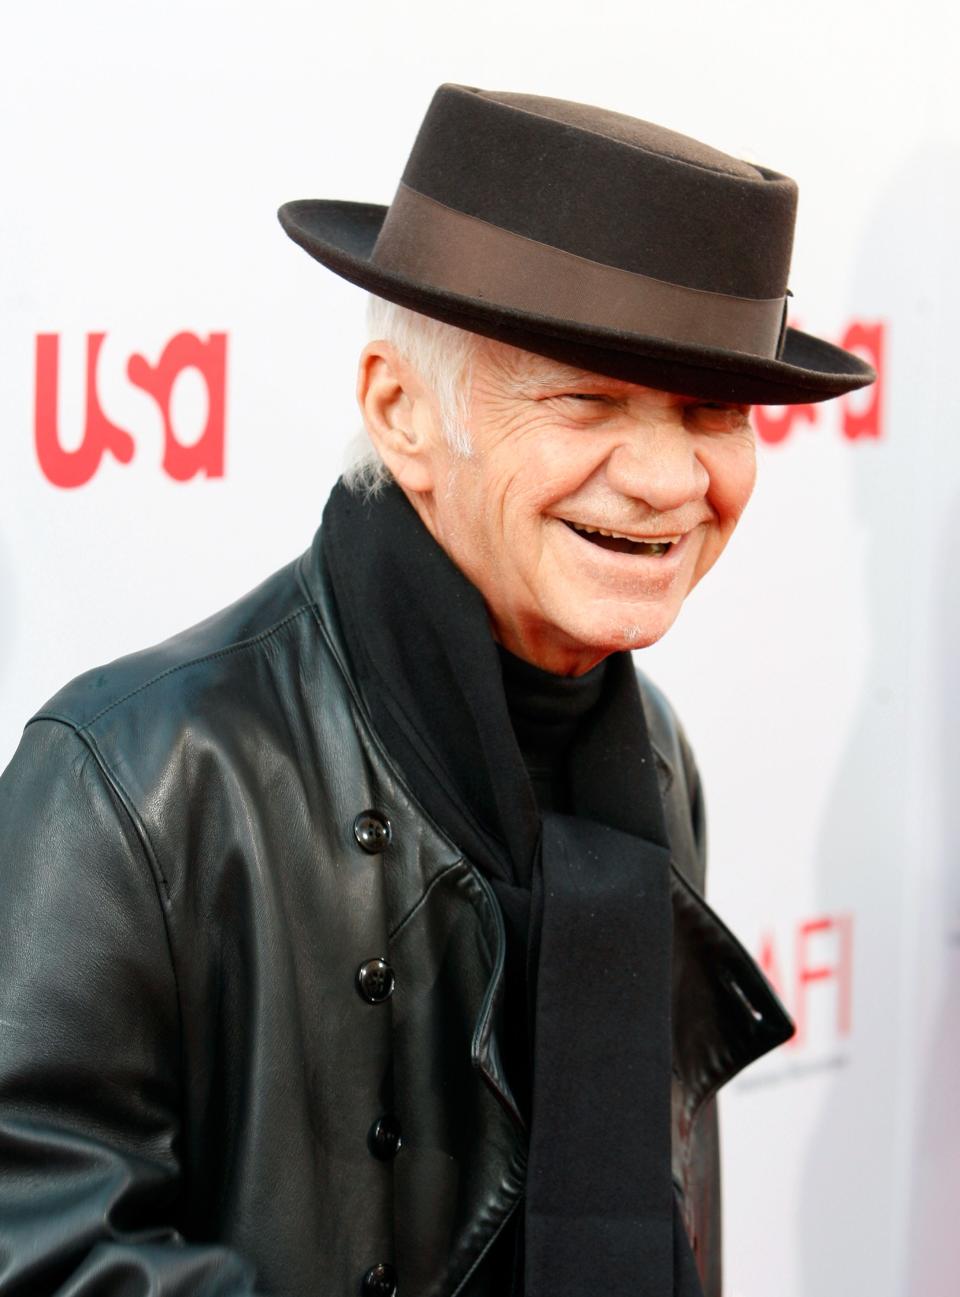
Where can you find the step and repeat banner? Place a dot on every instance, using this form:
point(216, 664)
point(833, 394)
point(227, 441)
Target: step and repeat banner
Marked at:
point(176, 393)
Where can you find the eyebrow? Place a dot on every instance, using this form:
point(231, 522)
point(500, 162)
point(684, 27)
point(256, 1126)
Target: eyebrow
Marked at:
point(566, 376)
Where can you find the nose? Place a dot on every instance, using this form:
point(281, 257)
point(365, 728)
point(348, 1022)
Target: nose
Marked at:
point(658, 464)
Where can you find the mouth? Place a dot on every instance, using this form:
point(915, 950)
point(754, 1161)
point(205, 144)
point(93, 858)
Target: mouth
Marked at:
point(649, 547)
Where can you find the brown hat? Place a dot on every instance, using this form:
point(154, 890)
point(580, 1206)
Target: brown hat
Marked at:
point(593, 238)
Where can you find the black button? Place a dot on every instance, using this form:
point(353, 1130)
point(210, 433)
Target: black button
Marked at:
point(379, 1281)
point(385, 1139)
point(372, 831)
point(375, 981)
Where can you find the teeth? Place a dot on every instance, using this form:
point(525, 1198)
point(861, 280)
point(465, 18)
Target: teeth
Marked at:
point(637, 540)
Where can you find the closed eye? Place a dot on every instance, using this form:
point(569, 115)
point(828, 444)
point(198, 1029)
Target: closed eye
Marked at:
point(596, 399)
point(718, 416)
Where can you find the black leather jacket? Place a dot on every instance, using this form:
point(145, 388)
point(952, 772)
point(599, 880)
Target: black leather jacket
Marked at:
point(189, 1077)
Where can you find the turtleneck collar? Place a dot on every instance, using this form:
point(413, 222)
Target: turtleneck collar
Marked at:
point(546, 712)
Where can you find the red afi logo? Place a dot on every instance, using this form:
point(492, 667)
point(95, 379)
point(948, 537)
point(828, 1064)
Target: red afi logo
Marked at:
point(68, 468)
point(822, 957)
point(861, 415)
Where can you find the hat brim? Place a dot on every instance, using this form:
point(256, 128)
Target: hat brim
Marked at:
point(341, 235)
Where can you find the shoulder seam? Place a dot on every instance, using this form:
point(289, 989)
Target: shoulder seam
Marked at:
point(126, 801)
point(153, 865)
point(130, 807)
point(111, 780)
point(229, 649)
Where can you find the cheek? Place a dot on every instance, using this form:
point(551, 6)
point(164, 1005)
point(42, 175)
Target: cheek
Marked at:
point(490, 505)
point(733, 470)
point(556, 467)
point(526, 479)
point(458, 510)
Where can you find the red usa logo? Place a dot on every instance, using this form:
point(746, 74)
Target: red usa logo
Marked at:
point(861, 413)
point(101, 436)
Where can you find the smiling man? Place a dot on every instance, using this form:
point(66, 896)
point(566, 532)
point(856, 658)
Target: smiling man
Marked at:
point(354, 941)
point(584, 508)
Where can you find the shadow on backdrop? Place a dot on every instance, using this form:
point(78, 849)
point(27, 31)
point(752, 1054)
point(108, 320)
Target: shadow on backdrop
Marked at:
point(855, 1214)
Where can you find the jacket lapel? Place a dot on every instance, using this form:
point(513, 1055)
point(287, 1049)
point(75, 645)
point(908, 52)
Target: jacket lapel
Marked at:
point(725, 1014)
point(462, 1168)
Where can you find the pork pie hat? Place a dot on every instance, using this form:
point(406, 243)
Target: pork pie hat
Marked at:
point(593, 238)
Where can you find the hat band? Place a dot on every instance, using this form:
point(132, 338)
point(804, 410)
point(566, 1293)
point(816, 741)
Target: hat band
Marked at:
point(444, 249)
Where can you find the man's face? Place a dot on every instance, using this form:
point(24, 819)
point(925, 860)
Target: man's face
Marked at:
point(589, 507)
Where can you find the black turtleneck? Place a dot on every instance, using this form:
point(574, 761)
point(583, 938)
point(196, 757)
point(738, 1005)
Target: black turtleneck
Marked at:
point(546, 711)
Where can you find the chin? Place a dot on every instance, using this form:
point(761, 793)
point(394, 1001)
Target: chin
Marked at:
point(639, 637)
point(631, 629)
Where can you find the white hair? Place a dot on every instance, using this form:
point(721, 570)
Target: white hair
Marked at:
point(441, 355)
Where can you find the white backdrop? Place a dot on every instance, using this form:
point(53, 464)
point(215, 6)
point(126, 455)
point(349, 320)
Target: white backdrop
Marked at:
point(145, 150)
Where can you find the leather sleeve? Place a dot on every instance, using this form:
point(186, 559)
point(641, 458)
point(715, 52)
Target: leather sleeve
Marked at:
point(89, 1045)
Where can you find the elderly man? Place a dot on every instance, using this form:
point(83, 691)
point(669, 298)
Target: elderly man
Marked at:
point(353, 940)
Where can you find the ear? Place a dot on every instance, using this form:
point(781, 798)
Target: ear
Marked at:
point(400, 414)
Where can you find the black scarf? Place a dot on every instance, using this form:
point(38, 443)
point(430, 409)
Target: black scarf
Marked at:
point(586, 898)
